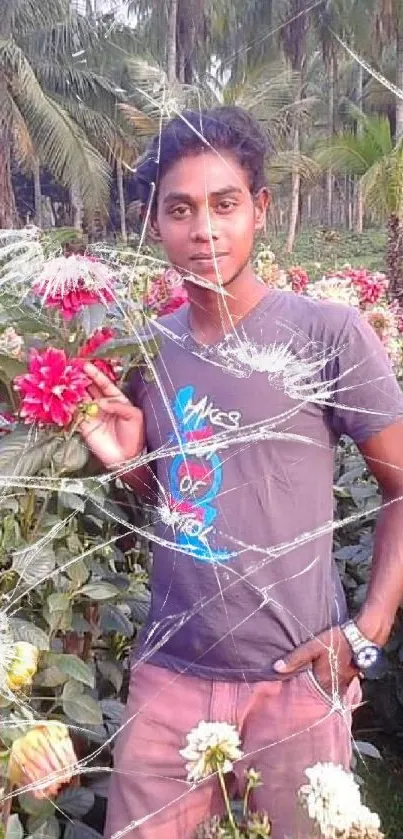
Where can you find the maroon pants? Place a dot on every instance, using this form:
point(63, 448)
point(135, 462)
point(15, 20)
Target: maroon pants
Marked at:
point(285, 726)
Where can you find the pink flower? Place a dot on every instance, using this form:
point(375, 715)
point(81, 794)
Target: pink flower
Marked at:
point(110, 367)
point(53, 387)
point(299, 279)
point(71, 283)
point(166, 293)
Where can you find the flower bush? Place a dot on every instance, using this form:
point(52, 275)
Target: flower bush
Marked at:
point(74, 567)
point(366, 291)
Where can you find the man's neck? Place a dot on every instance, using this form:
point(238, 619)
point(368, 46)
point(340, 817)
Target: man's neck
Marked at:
point(213, 314)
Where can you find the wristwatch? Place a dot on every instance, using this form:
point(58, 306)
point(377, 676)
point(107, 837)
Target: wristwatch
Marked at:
point(368, 657)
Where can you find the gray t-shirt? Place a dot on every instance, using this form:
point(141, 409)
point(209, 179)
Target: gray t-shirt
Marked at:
point(244, 435)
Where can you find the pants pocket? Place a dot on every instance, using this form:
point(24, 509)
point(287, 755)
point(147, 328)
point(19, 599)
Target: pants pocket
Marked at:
point(350, 696)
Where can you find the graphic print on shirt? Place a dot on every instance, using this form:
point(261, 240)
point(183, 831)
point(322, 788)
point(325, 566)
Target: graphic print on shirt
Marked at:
point(196, 479)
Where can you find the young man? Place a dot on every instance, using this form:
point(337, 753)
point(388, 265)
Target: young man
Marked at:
point(252, 390)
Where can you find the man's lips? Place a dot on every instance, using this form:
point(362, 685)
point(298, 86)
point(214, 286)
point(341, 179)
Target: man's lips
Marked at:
point(207, 257)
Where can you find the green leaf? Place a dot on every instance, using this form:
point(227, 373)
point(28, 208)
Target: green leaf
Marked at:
point(78, 830)
point(71, 501)
point(71, 456)
point(126, 346)
point(72, 666)
point(50, 677)
point(112, 671)
point(25, 631)
point(58, 602)
point(44, 829)
point(75, 801)
point(112, 619)
point(78, 572)
point(14, 827)
point(35, 806)
point(12, 366)
point(99, 591)
point(33, 564)
point(19, 456)
point(79, 706)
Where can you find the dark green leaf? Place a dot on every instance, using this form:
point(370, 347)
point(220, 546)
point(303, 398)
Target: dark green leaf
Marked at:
point(78, 830)
point(71, 456)
point(25, 631)
point(79, 706)
point(34, 564)
point(113, 619)
point(112, 671)
point(72, 666)
point(99, 591)
point(14, 827)
point(75, 801)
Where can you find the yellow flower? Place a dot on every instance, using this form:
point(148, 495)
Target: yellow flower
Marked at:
point(43, 759)
point(23, 666)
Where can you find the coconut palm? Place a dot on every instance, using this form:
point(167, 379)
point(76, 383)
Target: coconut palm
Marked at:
point(33, 80)
point(370, 155)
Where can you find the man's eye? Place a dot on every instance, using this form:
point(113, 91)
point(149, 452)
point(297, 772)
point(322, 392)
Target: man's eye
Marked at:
point(179, 212)
point(226, 204)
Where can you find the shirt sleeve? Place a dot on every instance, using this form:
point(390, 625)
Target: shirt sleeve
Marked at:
point(367, 395)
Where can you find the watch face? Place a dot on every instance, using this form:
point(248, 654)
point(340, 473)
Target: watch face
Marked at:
point(367, 657)
point(372, 662)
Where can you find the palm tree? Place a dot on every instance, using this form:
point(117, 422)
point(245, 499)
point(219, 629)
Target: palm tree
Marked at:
point(293, 34)
point(33, 83)
point(389, 28)
point(370, 155)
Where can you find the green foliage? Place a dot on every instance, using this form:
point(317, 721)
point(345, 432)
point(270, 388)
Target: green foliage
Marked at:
point(320, 251)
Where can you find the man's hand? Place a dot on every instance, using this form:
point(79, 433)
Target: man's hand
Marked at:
point(116, 433)
point(329, 657)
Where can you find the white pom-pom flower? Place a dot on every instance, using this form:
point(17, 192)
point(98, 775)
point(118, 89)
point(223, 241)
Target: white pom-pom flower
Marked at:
point(211, 747)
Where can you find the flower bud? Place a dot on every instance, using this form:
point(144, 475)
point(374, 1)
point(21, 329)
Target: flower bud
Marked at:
point(23, 666)
point(45, 753)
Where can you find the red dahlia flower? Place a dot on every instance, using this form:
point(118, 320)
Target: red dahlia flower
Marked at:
point(71, 283)
point(53, 387)
point(109, 367)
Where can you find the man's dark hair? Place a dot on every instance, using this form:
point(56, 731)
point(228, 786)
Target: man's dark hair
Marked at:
point(220, 129)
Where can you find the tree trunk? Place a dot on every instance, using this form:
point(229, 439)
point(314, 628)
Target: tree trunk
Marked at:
point(360, 200)
point(171, 40)
point(295, 189)
point(399, 72)
point(329, 173)
point(37, 193)
point(8, 212)
point(121, 194)
point(395, 259)
point(77, 207)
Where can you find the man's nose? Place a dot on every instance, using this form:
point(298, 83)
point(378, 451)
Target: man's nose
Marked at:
point(203, 229)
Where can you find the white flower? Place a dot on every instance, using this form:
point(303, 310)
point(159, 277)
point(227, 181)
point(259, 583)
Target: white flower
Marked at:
point(7, 650)
point(64, 274)
point(211, 746)
point(332, 799)
point(336, 289)
point(11, 343)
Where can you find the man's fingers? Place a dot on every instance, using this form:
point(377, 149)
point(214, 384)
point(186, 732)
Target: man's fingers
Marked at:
point(300, 657)
point(99, 379)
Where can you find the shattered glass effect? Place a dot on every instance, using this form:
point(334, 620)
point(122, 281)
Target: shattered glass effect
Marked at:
point(236, 355)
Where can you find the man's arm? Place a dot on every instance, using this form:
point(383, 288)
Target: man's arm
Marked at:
point(384, 456)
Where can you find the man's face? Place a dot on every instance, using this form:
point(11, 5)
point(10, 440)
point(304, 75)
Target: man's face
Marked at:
point(206, 216)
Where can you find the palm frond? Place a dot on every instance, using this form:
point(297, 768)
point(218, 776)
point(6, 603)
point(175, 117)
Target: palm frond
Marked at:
point(57, 139)
point(29, 15)
point(285, 162)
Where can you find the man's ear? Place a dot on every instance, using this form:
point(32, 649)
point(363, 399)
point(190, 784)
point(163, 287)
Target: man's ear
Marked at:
point(153, 231)
point(262, 201)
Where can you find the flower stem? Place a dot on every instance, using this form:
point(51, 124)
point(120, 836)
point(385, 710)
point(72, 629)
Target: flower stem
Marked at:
point(226, 800)
point(246, 799)
point(6, 807)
